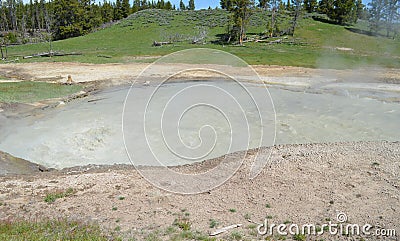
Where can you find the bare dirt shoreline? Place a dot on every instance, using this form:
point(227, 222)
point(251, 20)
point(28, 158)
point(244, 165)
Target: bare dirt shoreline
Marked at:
point(116, 74)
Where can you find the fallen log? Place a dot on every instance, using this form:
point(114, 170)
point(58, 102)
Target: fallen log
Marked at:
point(104, 56)
point(50, 54)
point(155, 43)
point(278, 41)
point(11, 61)
point(66, 54)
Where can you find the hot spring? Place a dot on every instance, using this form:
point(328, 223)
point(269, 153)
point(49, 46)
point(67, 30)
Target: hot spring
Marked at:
point(89, 131)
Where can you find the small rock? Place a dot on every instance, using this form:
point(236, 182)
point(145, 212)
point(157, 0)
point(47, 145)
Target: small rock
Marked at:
point(61, 103)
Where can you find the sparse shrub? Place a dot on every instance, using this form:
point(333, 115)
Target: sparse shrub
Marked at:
point(236, 235)
point(299, 237)
point(183, 223)
point(11, 38)
point(52, 197)
point(213, 223)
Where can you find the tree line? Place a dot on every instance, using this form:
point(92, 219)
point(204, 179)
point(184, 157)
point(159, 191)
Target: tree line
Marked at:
point(61, 19)
point(70, 18)
point(381, 14)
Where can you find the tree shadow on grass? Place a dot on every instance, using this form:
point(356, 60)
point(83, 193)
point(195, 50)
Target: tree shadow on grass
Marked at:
point(347, 27)
point(324, 20)
point(364, 32)
point(222, 39)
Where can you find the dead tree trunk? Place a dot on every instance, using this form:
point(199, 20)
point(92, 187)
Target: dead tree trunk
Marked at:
point(273, 20)
point(4, 53)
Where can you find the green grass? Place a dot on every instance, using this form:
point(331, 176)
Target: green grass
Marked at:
point(213, 223)
point(299, 237)
point(314, 43)
point(183, 223)
point(28, 91)
point(49, 230)
point(235, 235)
point(52, 197)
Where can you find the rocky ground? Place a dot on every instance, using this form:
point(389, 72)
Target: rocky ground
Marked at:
point(302, 184)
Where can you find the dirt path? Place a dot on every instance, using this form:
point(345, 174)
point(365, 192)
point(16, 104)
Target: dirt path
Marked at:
point(303, 184)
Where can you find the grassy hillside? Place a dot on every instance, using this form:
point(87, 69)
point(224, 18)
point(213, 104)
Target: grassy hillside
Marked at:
point(316, 43)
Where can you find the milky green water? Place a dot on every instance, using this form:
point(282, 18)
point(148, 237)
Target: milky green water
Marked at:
point(90, 132)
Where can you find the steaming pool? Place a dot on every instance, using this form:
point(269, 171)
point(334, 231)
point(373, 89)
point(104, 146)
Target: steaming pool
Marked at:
point(89, 131)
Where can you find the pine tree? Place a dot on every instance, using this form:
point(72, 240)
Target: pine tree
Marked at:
point(65, 19)
point(391, 16)
point(89, 16)
point(310, 5)
point(343, 11)
point(160, 4)
point(191, 5)
point(241, 10)
point(20, 16)
point(136, 6)
point(11, 4)
point(182, 5)
point(288, 6)
point(226, 4)
point(106, 12)
point(41, 14)
point(297, 6)
point(360, 9)
point(125, 8)
point(3, 17)
point(274, 6)
point(325, 6)
point(118, 10)
point(377, 14)
point(143, 4)
point(168, 5)
point(32, 15)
